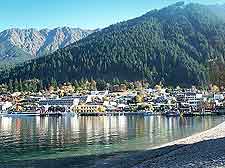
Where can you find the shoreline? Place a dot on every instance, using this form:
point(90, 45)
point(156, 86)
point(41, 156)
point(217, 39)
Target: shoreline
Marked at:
point(203, 149)
point(198, 137)
point(207, 141)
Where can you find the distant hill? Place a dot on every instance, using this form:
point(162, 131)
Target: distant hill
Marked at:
point(172, 45)
point(19, 45)
point(218, 10)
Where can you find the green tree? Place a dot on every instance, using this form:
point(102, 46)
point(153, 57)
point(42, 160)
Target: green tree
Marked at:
point(101, 85)
point(10, 85)
point(54, 83)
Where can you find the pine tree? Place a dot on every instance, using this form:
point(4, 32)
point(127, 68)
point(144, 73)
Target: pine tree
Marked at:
point(10, 85)
point(53, 83)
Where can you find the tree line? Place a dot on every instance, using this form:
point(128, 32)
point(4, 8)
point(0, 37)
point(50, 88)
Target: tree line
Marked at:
point(36, 85)
point(172, 46)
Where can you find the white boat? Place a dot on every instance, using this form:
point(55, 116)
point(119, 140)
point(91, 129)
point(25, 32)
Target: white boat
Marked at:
point(21, 113)
point(146, 113)
point(172, 113)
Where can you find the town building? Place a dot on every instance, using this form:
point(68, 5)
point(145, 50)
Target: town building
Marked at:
point(67, 103)
point(5, 105)
point(88, 108)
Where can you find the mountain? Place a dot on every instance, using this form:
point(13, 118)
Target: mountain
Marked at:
point(171, 45)
point(218, 10)
point(19, 45)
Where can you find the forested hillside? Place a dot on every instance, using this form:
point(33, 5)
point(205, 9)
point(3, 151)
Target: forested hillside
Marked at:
point(171, 45)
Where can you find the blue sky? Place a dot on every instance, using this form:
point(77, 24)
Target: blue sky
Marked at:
point(76, 13)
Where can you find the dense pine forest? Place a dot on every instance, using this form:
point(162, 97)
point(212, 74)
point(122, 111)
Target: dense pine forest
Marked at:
point(172, 46)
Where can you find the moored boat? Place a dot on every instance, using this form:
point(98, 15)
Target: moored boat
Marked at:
point(13, 113)
point(172, 113)
point(51, 114)
point(148, 113)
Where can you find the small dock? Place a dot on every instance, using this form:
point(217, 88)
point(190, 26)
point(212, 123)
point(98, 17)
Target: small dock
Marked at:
point(116, 114)
point(51, 114)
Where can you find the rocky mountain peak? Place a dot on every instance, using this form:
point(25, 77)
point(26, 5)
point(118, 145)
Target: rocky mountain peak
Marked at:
point(40, 42)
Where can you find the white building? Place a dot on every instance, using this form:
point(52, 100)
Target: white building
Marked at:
point(82, 99)
point(99, 94)
point(194, 99)
point(5, 105)
point(67, 103)
point(218, 97)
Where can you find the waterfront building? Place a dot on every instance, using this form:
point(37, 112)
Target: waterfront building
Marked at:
point(190, 97)
point(100, 93)
point(82, 99)
point(218, 96)
point(5, 105)
point(194, 99)
point(88, 108)
point(67, 103)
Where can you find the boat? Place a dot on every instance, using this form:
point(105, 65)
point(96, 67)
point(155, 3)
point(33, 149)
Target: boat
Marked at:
point(185, 110)
point(51, 114)
point(13, 113)
point(36, 113)
point(187, 114)
point(172, 113)
point(220, 110)
point(148, 113)
point(141, 113)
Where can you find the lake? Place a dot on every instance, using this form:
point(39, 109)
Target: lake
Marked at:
point(34, 138)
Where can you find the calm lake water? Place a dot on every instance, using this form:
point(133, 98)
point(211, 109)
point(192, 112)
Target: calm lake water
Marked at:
point(41, 138)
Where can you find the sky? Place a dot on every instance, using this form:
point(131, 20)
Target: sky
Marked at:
point(86, 14)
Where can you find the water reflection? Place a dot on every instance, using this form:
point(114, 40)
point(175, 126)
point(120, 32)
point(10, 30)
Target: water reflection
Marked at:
point(26, 138)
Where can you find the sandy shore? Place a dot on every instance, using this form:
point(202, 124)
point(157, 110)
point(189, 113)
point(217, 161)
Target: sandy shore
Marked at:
point(205, 150)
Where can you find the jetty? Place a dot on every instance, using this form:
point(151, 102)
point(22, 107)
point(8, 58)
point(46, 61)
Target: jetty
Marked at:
point(143, 113)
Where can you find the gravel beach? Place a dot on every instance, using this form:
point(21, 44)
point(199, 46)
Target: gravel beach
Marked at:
point(202, 150)
point(205, 149)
